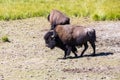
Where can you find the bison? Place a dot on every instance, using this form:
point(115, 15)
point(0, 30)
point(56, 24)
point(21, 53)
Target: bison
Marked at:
point(72, 36)
point(57, 18)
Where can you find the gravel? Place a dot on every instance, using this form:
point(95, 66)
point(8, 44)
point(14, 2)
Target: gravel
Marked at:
point(25, 57)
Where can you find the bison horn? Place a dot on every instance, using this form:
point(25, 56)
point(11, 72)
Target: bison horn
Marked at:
point(51, 31)
point(54, 34)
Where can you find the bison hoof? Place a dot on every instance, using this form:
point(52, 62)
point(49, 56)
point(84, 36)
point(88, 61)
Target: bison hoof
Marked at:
point(64, 57)
point(76, 56)
point(93, 54)
point(81, 56)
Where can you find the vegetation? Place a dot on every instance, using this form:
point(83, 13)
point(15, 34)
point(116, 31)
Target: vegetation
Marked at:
point(5, 39)
point(94, 9)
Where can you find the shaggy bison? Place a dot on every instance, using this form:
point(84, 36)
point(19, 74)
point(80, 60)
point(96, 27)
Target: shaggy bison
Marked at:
point(71, 36)
point(57, 18)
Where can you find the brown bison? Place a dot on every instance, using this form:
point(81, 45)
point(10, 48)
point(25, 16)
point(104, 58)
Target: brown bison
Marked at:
point(57, 18)
point(71, 36)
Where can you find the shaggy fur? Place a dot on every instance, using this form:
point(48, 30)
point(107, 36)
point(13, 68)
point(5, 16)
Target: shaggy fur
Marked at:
point(52, 42)
point(74, 36)
point(57, 18)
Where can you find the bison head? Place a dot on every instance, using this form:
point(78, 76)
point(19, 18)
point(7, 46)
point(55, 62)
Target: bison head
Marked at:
point(50, 39)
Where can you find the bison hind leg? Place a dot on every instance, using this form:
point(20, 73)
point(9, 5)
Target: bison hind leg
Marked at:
point(85, 48)
point(94, 47)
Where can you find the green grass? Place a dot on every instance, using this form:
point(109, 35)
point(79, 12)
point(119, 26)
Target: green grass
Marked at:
point(94, 9)
point(5, 39)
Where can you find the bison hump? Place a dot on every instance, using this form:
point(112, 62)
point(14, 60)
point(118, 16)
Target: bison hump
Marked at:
point(64, 32)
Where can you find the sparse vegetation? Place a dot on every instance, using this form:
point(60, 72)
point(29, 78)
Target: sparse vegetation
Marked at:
point(5, 39)
point(94, 9)
point(27, 58)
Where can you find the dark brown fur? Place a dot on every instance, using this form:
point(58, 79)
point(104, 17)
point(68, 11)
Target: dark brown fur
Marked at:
point(76, 36)
point(57, 18)
point(52, 42)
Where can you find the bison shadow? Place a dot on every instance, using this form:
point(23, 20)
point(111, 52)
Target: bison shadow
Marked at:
point(99, 54)
point(96, 55)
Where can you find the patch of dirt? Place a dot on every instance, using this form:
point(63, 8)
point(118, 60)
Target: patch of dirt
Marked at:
point(25, 57)
point(94, 70)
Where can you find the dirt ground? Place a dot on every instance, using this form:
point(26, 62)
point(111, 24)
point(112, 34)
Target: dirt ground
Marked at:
point(25, 57)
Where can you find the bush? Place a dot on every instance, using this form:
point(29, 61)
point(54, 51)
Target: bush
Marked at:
point(5, 39)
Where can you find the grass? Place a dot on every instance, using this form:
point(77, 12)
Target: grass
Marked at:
point(94, 9)
point(5, 39)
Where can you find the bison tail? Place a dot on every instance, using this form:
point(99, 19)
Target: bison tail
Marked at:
point(92, 35)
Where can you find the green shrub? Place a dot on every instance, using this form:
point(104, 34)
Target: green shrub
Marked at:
point(95, 17)
point(5, 39)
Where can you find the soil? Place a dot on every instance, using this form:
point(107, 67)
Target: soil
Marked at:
point(25, 57)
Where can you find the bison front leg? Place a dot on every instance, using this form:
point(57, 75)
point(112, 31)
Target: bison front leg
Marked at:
point(93, 46)
point(65, 54)
point(74, 50)
point(67, 51)
point(69, 48)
